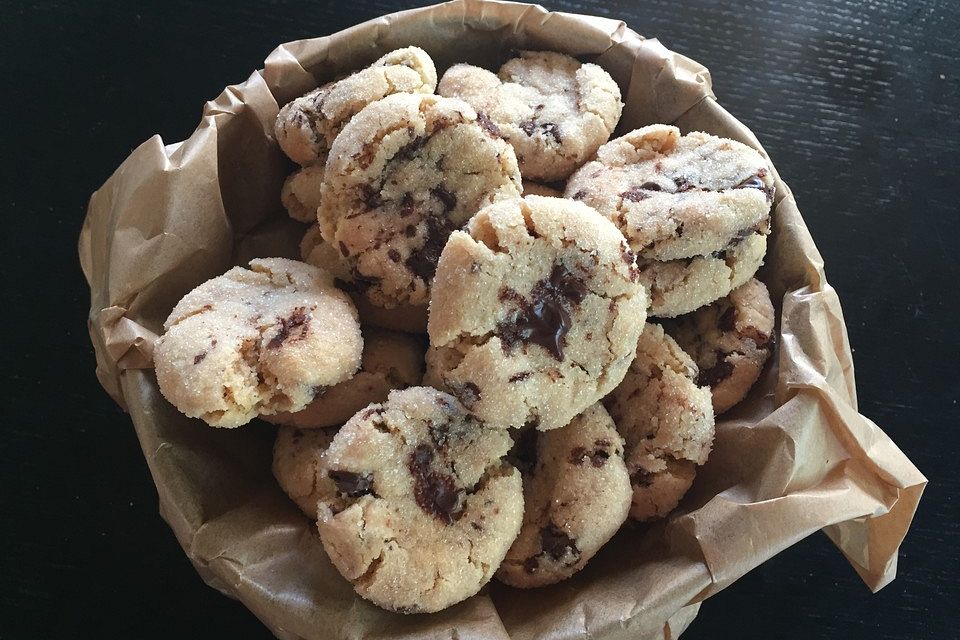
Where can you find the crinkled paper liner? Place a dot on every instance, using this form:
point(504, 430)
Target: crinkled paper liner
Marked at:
point(795, 457)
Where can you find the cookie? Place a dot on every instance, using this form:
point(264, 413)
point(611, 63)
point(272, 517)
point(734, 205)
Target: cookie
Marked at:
point(676, 196)
point(296, 460)
point(300, 193)
point(535, 313)
point(576, 492)
point(666, 420)
point(257, 341)
point(403, 174)
point(537, 189)
point(406, 318)
point(552, 109)
point(391, 360)
point(306, 127)
point(730, 340)
point(681, 286)
point(417, 506)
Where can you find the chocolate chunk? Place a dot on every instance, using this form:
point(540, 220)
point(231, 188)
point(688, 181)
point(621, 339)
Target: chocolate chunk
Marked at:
point(683, 185)
point(476, 527)
point(580, 195)
point(626, 254)
point(409, 150)
point(439, 433)
point(394, 255)
point(577, 454)
point(446, 198)
point(528, 127)
point(423, 262)
point(557, 544)
point(544, 320)
point(197, 359)
point(407, 206)
point(634, 194)
point(488, 125)
point(343, 248)
point(410, 231)
point(727, 321)
point(370, 196)
point(753, 182)
point(651, 186)
point(598, 457)
point(551, 129)
point(435, 493)
point(370, 412)
point(350, 484)
point(716, 374)
point(361, 282)
point(523, 454)
point(469, 394)
point(298, 321)
point(517, 377)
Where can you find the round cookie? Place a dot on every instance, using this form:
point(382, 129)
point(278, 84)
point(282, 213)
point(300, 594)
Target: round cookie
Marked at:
point(307, 126)
point(391, 360)
point(296, 460)
point(319, 253)
point(404, 173)
point(681, 286)
point(537, 189)
point(666, 421)
point(257, 341)
point(676, 196)
point(300, 193)
point(535, 313)
point(730, 340)
point(552, 109)
point(576, 494)
point(418, 506)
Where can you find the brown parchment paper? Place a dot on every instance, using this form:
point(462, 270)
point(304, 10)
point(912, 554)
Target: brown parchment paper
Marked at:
point(794, 458)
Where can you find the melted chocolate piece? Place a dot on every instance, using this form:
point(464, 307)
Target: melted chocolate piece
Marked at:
point(557, 544)
point(580, 195)
point(528, 127)
point(423, 262)
point(410, 149)
point(634, 194)
point(393, 254)
point(628, 256)
point(544, 320)
point(370, 196)
point(683, 185)
point(488, 125)
point(551, 129)
point(716, 374)
point(598, 457)
point(651, 186)
point(408, 206)
point(435, 493)
point(296, 321)
point(350, 484)
point(517, 377)
point(468, 394)
point(447, 199)
point(197, 359)
point(410, 231)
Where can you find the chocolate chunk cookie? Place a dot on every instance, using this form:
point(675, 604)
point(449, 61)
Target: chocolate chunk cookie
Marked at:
point(535, 313)
point(391, 360)
point(676, 196)
point(407, 318)
point(666, 420)
point(554, 110)
point(296, 460)
point(418, 506)
point(301, 193)
point(306, 127)
point(402, 175)
point(576, 492)
point(257, 341)
point(730, 340)
point(681, 286)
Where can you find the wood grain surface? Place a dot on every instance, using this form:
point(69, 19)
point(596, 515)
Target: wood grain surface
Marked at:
point(857, 102)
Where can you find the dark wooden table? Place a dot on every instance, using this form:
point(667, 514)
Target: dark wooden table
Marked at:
point(856, 102)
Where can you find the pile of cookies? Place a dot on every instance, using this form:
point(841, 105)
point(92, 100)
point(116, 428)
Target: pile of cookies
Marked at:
point(462, 369)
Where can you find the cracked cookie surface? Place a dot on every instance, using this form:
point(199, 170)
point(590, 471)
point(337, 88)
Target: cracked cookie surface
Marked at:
point(391, 360)
point(257, 341)
point(676, 196)
point(307, 126)
point(666, 421)
point(576, 494)
point(553, 110)
point(403, 174)
point(418, 506)
point(535, 313)
point(730, 340)
point(318, 252)
point(681, 286)
point(296, 461)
